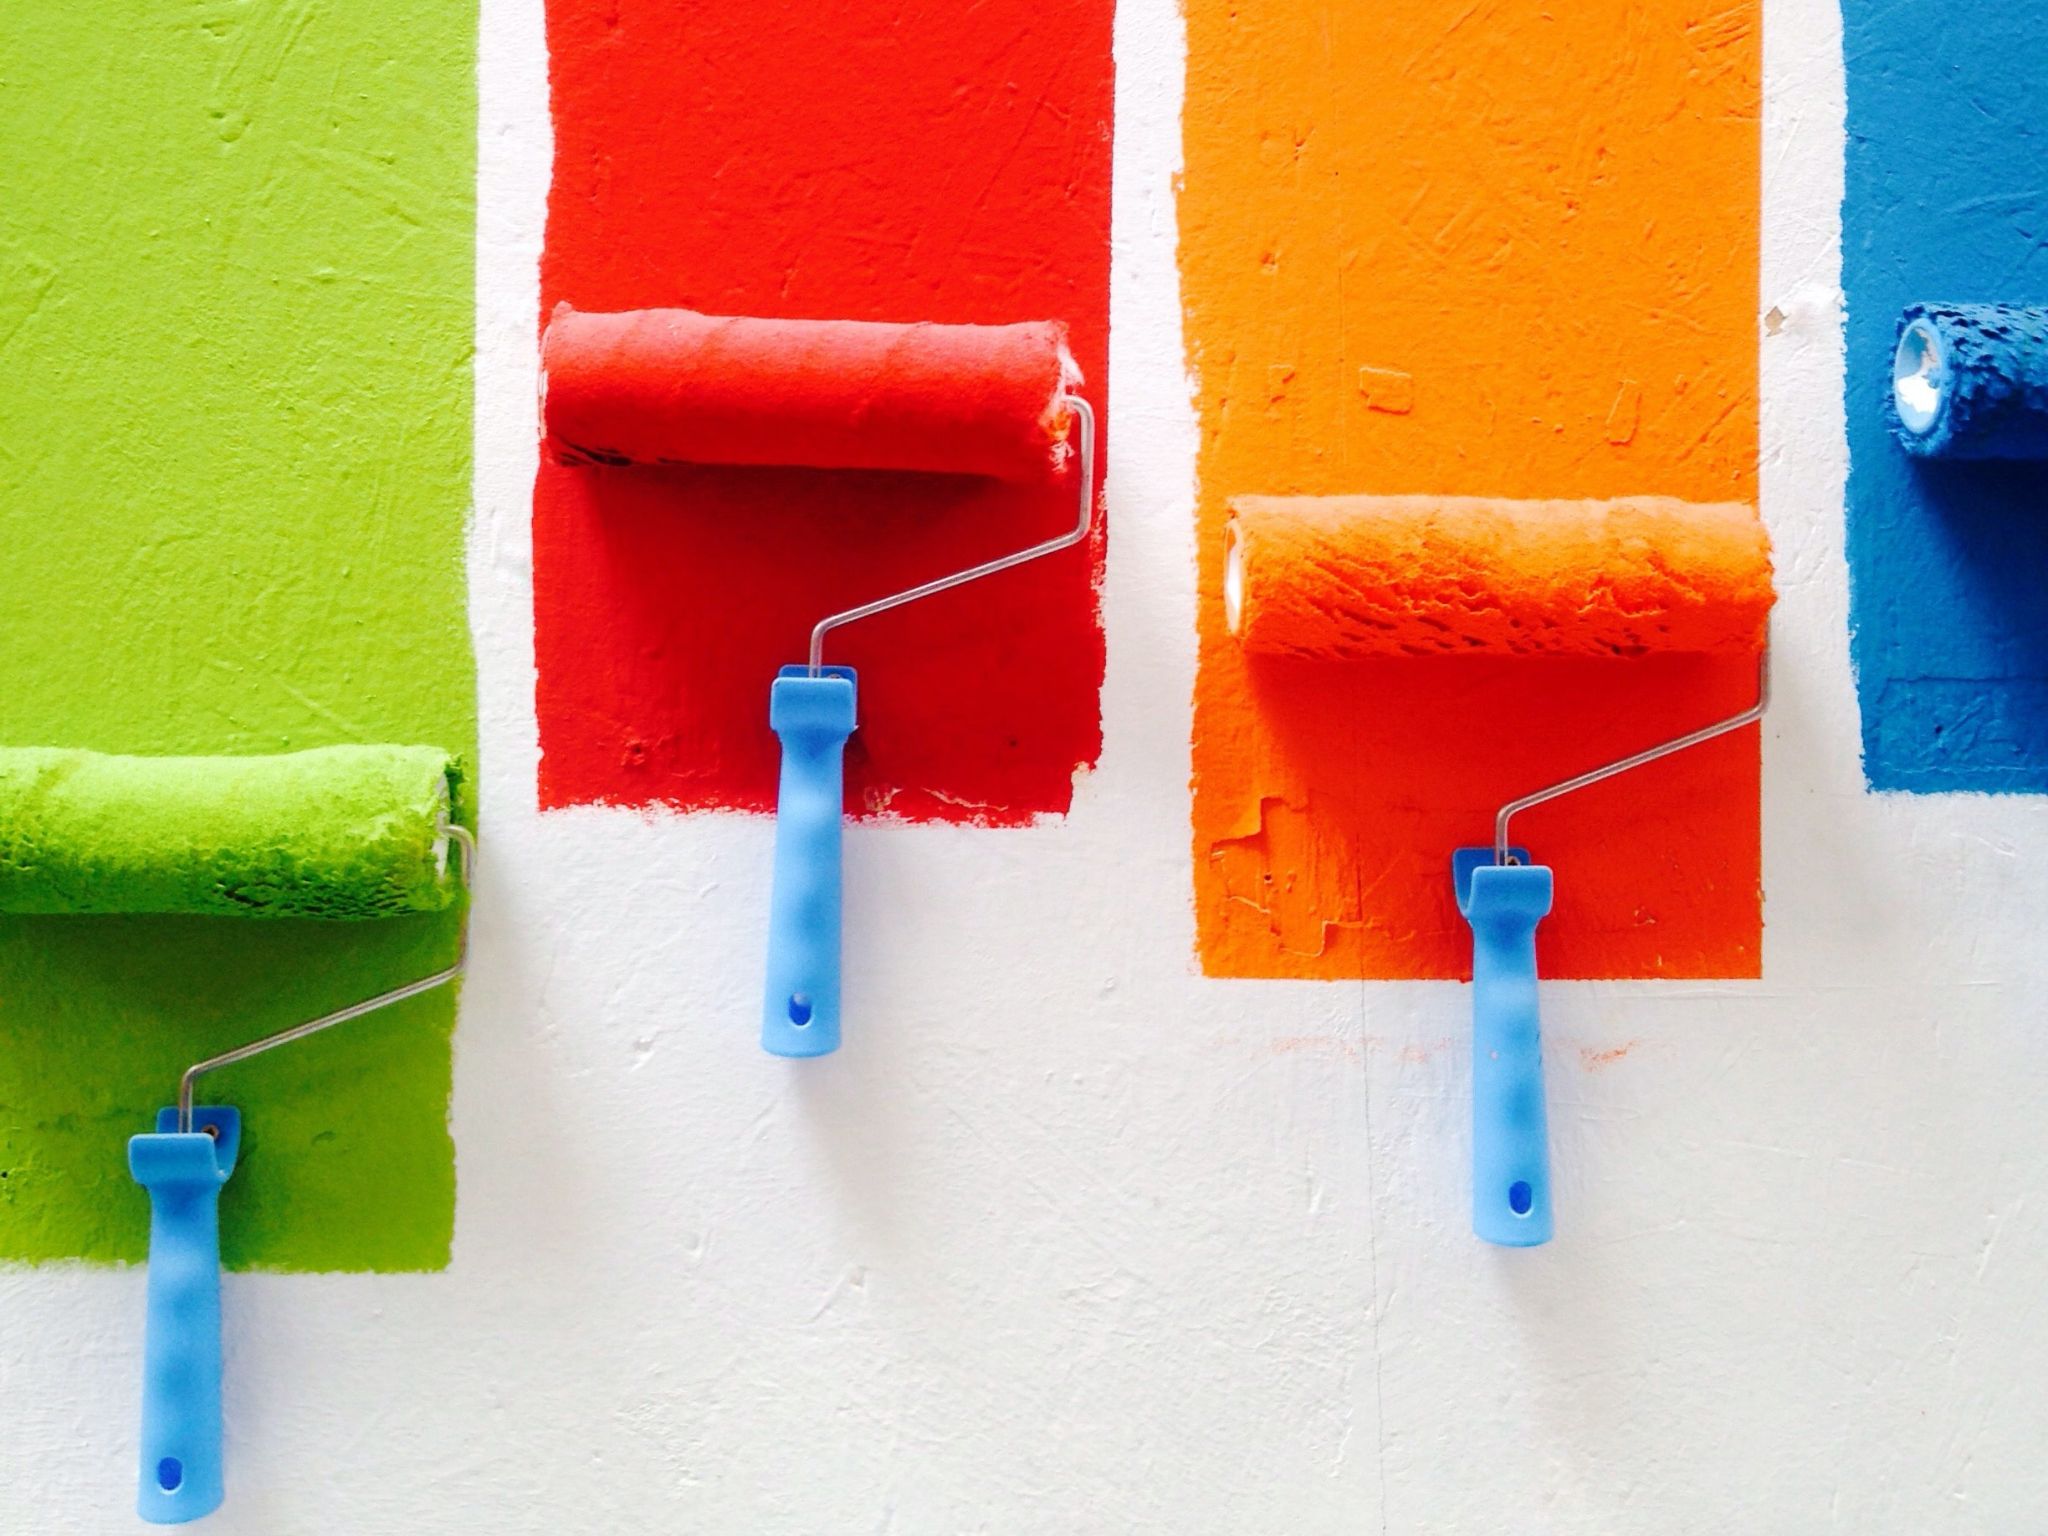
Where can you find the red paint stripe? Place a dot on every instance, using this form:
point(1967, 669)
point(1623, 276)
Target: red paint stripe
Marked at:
point(929, 162)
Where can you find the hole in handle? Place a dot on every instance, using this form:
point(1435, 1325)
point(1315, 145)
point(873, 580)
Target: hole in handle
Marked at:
point(799, 1009)
point(1521, 1198)
point(170, 1474)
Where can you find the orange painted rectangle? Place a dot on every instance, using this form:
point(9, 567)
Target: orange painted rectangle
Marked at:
point(1469, 249)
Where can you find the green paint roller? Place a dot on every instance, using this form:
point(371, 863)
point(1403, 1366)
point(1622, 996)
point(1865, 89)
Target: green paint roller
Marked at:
point(338, 833)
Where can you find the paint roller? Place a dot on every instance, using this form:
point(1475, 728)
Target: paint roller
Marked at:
point(337, 833)
point(1353, 578)
point(1970, 381)
point(671, 386)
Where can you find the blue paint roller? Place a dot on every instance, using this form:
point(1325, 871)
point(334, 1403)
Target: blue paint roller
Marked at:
point(184, 1165)
point(335, 833)
point(811, 708)
point(1502, 895)
point(671, 386)
point(1361, 577)
point(1970, 381)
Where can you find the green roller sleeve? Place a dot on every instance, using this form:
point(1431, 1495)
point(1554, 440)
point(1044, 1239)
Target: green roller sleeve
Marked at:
point(337, 832)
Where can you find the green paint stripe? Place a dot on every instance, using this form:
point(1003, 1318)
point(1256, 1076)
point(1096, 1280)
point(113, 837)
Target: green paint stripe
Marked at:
point(236, 319)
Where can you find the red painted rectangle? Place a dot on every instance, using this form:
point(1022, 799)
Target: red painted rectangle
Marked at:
point(936, 161)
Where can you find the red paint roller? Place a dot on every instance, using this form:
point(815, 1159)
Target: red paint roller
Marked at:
point(671, 386)
point(1358, 578)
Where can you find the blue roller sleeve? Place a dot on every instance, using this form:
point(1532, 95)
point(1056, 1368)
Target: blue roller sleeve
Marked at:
point(1970, 381)
point(1510, 1133)
point(181, 1433)
point(813, 716)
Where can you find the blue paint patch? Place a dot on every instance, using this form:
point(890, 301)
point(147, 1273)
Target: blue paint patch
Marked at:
point(1946, 201)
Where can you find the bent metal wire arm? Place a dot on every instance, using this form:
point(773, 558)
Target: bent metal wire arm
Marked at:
point(1749, 716)
point(1085, 415)
point(465, 846)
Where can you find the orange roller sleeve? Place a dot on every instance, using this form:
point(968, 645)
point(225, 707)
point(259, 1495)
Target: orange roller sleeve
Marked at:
point(664, 386)
point(1334, 577)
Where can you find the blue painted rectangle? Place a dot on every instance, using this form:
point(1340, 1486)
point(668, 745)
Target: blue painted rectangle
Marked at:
point(1946, 200)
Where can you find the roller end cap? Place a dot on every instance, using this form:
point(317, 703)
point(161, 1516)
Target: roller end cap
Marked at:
point(1920, 383)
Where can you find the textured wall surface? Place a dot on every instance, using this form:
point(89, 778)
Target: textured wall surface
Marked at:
point(1949, 609)
point(236, 264)
point(1413, 266)
point(1071, 1240)
point(806, 162)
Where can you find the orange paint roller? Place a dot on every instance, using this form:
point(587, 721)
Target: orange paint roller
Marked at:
point(671, 386)
point(1351, 578)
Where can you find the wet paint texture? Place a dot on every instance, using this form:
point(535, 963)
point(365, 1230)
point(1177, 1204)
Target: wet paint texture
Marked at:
point(822, 163)
point(236, 301)
point(1413, 266)
point(1943, 204)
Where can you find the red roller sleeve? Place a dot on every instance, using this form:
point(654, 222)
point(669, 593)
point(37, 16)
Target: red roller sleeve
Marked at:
point(666, 386)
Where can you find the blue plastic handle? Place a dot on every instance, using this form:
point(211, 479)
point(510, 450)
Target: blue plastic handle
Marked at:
point(813, 716)
point(1510, 1130)
point(183, 1172)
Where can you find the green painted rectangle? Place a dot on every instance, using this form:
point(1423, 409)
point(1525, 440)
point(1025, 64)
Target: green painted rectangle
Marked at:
point(236, 322)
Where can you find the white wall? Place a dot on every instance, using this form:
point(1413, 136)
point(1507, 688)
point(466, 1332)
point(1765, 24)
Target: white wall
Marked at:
point(1069, 1240)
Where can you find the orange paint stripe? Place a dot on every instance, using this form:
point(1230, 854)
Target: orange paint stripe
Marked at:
point(1469, 249)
